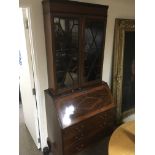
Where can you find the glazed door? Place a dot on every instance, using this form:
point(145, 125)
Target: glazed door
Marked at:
point(66, 47)
point(93, 35)
point(78, 45)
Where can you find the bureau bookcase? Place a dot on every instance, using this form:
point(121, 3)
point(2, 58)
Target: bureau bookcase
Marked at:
point(79, 105)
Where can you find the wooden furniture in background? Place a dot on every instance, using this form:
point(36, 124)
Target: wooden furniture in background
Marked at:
point(79, 105)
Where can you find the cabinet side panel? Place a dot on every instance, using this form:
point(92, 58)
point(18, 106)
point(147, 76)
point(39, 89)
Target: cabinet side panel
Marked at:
point(53, 127)
point(48, 41)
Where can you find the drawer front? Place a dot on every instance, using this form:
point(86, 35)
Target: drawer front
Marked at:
point(79, 136)
point(79, 145)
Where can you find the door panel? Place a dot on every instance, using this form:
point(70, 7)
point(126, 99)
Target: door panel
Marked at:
point(93, 46)
point(66, 37)
point(27, 84)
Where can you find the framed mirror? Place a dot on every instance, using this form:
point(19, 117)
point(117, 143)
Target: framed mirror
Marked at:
point(123, 82)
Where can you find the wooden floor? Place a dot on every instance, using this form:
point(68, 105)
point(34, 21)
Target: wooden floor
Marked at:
point(27, 146)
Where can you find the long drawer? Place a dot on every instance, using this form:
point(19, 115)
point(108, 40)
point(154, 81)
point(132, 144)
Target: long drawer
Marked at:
point(77, 137)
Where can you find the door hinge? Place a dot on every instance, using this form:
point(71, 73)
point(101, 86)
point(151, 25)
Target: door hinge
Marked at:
point(38, 140)
point(26, 24)
point(34, 91)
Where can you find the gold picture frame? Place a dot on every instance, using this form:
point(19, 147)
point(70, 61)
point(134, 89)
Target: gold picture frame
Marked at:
point(121, 26)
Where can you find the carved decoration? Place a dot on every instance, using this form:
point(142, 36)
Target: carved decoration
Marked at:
point(121, 26)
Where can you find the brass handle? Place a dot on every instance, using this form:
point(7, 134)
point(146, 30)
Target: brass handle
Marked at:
point(103, 117)
point(78, 129)
point(82, 126)
point(103, 124)
point(79, 137)
point(79, 147)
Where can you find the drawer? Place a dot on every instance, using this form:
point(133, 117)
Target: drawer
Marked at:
point(76, 147)
point(80, 135)
point(90, 138)
point(107, 118)
point(81, 130)
point(103, 119)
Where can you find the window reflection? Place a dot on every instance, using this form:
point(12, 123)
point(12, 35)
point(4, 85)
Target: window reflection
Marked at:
point(68, 112)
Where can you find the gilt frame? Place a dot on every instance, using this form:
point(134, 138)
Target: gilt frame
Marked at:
point(121, 26)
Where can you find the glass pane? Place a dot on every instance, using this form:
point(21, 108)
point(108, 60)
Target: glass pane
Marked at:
point(93, 50)
point(66, 46)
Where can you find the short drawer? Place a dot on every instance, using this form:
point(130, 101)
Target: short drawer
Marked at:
point(78, 131)
point(107, 118)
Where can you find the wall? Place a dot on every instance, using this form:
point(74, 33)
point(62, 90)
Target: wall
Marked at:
point(117, 9)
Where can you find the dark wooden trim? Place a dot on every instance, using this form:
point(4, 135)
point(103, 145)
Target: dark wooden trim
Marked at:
point(82, 51)
point(74, 7)
point(49, 49)
point(54, 53)
point(66, 15)
point(54, 94)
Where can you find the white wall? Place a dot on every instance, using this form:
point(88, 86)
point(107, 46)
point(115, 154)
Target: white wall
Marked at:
point(117, 9)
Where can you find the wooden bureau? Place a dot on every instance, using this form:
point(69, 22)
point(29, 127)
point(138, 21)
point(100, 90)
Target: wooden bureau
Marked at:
point(79, 105)
point(78, 119)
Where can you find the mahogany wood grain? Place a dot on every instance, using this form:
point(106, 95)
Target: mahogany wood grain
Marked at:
point(91, 121)
point(85, 104)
